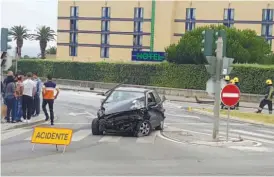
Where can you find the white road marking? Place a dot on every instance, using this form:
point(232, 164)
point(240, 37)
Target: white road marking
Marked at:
point(237, 135)
point(13, 133)
point(267, 131)
point(110, 139)
point(252, 134)
point(172, 129)
point(183, 116)
point(81, 134)
point(250, 148)
point(90, 114)
point(147, 139)
point(231, 95)
point(72, 123)
point(77, 114)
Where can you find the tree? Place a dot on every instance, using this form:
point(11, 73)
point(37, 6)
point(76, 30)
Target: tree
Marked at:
point(44, 34)
point(51, 51)
point(245, 46)
point(19, 33)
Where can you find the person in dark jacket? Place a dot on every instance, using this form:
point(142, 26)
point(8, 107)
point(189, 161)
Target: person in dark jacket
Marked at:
point(268, 98)
point(10, 98)
point(227, 80)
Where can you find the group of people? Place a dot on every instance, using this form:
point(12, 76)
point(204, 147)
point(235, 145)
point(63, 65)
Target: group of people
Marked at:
point(267, 100)
point(21, 94)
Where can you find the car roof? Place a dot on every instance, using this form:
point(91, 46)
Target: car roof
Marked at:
point(133, 89)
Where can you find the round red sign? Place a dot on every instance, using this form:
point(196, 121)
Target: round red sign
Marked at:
point(230, 95)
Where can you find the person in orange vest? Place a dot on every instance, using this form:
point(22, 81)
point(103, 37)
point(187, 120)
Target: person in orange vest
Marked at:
point(48, 98)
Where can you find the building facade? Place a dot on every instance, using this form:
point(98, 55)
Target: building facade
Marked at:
point(93, 31)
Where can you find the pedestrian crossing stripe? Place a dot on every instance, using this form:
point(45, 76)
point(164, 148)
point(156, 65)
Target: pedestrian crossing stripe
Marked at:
point(82, 134)
point(267, 137)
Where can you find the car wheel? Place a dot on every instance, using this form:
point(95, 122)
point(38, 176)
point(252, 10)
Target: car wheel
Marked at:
point(95, 127)
point(143, 129)
point(161, 126)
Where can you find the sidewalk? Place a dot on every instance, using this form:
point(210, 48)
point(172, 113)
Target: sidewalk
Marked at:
point(34, 121)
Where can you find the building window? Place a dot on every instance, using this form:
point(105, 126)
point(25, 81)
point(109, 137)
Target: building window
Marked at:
point(190, 19)
point(105, 23)
point(138, 28)
point(266, 31)
point(74, 13)
point(229, 17)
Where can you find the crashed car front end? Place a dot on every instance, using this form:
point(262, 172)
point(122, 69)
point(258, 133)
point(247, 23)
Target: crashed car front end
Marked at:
point(122, 119)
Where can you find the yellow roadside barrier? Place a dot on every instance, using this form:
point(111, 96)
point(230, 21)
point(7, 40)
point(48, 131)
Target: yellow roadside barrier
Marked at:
point(50, 135)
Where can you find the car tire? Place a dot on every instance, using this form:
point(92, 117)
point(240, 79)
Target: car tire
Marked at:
point(95, 127)
point(143, 128)
point(161, 126)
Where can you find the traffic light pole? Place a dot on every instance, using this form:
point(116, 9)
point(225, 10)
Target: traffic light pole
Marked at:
point(219, 64)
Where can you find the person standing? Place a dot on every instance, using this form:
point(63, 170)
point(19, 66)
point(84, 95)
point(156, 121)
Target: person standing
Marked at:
point(29, 90)
point(36, 100)
point(19, 93)
point(236, 80)
point(268, 98)
point(10, 98)
point(48, 98)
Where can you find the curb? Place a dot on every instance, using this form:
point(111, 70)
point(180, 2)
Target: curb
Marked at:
point(23, 125)
point(233, 118)
point(80, 89)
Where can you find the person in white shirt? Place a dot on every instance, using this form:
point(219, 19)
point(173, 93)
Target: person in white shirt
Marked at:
point(29, 90)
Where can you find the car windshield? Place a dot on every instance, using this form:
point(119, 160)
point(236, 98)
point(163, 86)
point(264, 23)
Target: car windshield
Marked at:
point(118, 95)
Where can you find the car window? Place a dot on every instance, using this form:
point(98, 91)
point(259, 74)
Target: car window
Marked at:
point(157, 97)
point(117, 96)
point(151, 98)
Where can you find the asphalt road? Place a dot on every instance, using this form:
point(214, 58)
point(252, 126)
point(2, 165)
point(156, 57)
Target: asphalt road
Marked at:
point(152, 155)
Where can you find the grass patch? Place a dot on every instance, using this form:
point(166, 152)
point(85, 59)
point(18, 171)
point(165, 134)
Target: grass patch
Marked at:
point(260, 118)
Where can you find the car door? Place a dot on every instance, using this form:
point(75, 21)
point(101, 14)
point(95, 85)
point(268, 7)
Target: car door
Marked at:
point(155, 110)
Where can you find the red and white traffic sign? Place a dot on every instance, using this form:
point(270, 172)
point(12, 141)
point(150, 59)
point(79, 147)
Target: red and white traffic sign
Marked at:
point(230, 95)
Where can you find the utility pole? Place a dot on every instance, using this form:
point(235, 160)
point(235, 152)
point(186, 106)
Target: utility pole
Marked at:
point(219, 64)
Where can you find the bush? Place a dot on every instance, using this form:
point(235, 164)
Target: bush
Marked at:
point(252, 77)
point(242, 45)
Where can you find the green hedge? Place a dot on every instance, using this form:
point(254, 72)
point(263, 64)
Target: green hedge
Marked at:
point(252, 77)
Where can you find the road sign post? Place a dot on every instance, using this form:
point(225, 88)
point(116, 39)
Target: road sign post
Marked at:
point(219, 64)
point(230, 96)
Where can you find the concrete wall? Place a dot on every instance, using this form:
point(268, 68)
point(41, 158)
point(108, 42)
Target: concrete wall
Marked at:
point(248, 14)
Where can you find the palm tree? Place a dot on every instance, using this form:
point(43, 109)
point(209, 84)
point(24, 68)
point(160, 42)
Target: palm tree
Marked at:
point(19, 33)
point(44, 34)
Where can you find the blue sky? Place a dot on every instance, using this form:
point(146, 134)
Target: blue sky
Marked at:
point(30, 13)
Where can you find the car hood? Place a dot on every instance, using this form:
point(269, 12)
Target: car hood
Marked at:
point(116, 107)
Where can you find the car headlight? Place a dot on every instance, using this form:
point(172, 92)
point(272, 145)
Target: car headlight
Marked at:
point(137, 104)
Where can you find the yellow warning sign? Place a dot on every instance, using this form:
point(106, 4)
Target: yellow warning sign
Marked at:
point(48, 135)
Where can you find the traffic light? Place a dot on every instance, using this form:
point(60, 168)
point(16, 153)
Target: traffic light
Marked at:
point(227, 62)
point(6, 61)
point(207, 42)
point(222, 34)
point(211, 66)
point(5, 39)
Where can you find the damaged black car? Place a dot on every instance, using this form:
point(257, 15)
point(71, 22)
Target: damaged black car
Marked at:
point(137, 111)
